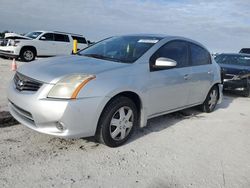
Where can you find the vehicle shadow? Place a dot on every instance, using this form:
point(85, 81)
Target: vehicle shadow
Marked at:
point(165, 121)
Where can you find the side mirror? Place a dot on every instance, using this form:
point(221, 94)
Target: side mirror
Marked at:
point(163, 62)
point(42, 38)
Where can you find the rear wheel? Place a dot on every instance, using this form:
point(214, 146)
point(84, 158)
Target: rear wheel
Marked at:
point(211, 100)
point(117, 122)
point(27, 54)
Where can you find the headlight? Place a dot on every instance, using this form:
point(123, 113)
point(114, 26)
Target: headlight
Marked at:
point(14, 42)
point(70, 86)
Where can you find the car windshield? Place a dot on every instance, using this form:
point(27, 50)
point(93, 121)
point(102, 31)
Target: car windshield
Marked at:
point(245, 50)
point(233, 59)
point(125, 49)
point(33, 35)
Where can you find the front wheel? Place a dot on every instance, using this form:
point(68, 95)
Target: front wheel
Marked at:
point(117, 122)
point(211, 100)
point(27, 55)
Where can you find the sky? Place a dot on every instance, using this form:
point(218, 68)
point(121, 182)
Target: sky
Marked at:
point(222, 26)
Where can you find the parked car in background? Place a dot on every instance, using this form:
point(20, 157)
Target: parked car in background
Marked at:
point(113, 86)
point(245, 50)
point(236, 71)
point(40, 43)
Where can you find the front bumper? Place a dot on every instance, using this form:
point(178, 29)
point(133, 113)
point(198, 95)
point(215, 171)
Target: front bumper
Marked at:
point(9, 51)
point(78, 117)
point(238, 85)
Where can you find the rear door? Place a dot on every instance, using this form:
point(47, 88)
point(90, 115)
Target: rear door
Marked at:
point(169, 88)
point(63, 45)
point(202, 73)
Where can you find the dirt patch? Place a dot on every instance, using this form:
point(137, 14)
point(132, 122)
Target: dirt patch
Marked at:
point(6, 119)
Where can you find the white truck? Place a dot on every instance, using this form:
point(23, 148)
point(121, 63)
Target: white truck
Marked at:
point(40, 44)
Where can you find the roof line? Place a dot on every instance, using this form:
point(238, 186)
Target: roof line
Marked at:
point(68, 33)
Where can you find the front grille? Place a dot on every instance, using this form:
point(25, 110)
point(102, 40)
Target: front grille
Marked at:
point(228, 76)
point(24, 83)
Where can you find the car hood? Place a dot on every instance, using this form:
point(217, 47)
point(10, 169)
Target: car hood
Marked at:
point(235, 69)
point(50, 70)
point(15, 36)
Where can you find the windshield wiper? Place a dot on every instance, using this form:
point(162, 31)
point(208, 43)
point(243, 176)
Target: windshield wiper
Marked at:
point(98, 56)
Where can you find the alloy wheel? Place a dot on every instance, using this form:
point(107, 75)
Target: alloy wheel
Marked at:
point(121, 123)
point(213, 99)
point(28, 55)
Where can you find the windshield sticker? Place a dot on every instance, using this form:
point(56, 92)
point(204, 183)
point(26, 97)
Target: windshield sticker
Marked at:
point(153, 41)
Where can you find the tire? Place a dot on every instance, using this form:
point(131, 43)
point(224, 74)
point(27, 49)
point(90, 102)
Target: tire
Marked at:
point(4, 57)
point(247, 92)
point(117, 122)
point(27, 54)
point(211, 100)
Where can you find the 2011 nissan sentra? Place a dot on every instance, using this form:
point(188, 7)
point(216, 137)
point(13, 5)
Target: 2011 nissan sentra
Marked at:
point(113, 86)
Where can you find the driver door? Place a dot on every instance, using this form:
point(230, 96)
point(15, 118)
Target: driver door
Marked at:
point(169, 88)
point(46, 45)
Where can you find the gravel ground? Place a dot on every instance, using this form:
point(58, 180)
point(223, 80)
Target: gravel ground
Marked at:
point(184, 149)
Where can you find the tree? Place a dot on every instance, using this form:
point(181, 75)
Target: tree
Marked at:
point(2, 34)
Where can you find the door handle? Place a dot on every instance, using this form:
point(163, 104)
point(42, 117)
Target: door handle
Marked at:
point(210, 72)
point(186, 77)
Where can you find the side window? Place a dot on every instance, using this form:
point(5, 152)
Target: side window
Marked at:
point(47, 37)
point(199, 56)
point(61, 38)
point(176, 50)
point(81, 40)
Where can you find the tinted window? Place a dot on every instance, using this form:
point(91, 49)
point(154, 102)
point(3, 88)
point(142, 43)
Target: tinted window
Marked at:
point(61, 38)
point(80, 39)
point(176, 50)
point(199, 56)
point(48, 36)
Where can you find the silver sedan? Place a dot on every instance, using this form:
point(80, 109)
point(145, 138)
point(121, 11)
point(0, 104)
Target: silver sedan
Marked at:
point(109, 88)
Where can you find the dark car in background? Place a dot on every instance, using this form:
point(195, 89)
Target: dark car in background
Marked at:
point(236, 72)
point(245, 50)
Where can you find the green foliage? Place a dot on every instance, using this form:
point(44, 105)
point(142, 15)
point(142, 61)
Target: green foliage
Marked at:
point(2, 34)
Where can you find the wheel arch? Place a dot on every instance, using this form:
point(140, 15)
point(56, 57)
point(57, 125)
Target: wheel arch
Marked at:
point(135, 97)
point(29, 47)
point(220, 88)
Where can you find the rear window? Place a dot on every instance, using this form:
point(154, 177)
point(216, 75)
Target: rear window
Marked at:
point(199, 56)
point(61, 38)
point(81, 40)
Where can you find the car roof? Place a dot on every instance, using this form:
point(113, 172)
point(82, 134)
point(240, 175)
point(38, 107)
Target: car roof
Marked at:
point(59, 32)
